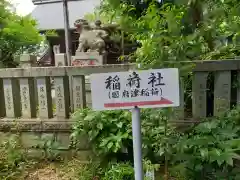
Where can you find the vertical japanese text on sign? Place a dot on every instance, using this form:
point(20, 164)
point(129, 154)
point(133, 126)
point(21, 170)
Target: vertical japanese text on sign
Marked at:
point(59, 97)
point(78, 96)
point(25, 97)
point(42, 95)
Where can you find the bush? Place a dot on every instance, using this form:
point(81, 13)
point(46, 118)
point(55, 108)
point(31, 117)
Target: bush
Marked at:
point(110, 132)
point(119, 171)
point(11, 158)
point(210, 150)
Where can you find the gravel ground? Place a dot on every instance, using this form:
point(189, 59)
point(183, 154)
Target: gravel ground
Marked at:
point(46, 173)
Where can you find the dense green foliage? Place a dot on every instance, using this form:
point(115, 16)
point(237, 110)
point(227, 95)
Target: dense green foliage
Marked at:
point(177, 30)
point(15, 164)
point(12, 158)
point(17, 35)
point(111, 132)
point(209, 150)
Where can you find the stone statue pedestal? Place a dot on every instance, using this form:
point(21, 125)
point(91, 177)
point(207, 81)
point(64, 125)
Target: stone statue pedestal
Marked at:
point(88, 59)
point(27, 60)
point(60, 59)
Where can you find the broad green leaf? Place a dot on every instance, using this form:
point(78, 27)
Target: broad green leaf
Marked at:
point(109, 145)
point(204, 153)
point(104, 143)
point(229, 161)
point(100, 126)
point(119, 125)
point(90, 117)
point(220, 161)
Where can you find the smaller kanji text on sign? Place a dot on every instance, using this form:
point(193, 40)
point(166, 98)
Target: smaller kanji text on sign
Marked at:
point(145, 89)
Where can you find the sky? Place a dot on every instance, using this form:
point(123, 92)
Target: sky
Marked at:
point(23, 7)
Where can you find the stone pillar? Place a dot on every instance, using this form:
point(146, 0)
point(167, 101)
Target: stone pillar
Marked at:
point(56, 49)
point(60, 59)
point(27, 60)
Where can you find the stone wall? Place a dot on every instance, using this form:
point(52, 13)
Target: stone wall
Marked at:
point(45, 144)
point(55, 140)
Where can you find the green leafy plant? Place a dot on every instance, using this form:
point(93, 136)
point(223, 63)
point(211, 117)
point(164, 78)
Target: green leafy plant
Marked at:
point(158, 135)
point(109, 131)
point(119, 171)
point(206, 151)
point(211, 149)
point(12, 158)
point(50, 147)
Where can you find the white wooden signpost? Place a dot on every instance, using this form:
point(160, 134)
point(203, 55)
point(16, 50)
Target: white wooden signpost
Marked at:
point(153, 88)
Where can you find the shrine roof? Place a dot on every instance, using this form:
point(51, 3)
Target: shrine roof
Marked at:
point(50, 15)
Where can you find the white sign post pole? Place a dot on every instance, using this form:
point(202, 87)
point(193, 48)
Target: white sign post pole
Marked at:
point(137, 143)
